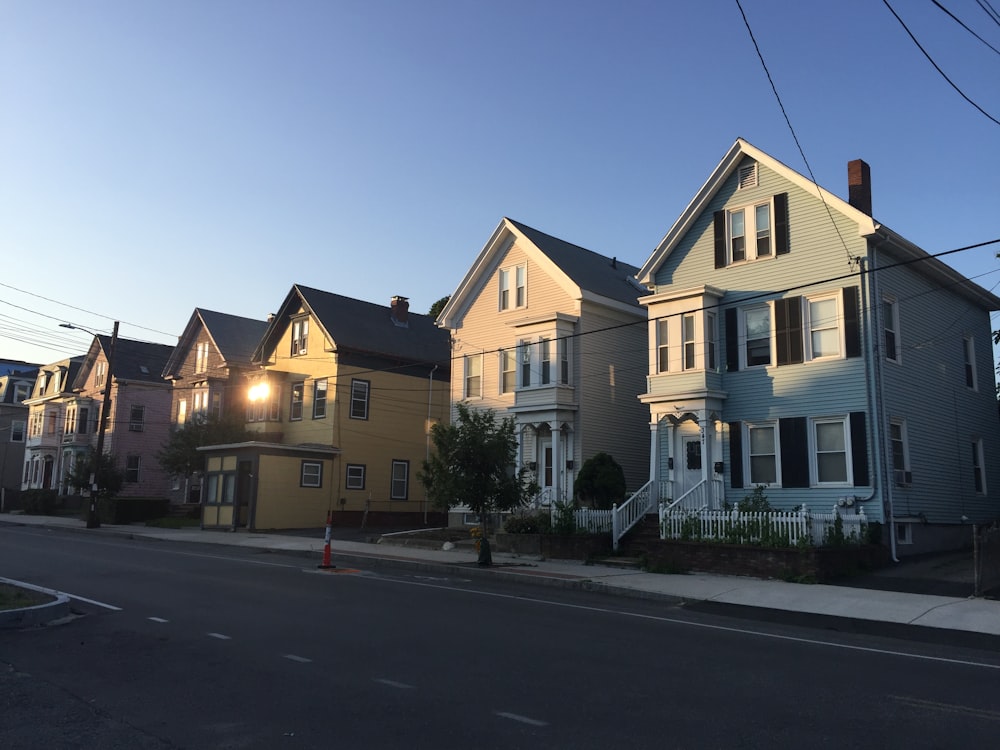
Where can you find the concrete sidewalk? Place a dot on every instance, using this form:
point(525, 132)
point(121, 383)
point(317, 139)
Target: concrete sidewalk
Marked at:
point(938, 614)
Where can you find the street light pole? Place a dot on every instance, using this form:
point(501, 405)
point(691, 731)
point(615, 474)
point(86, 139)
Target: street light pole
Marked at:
point(93, 519)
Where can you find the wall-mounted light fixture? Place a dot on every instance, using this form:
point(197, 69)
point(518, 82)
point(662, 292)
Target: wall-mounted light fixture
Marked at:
point(569, 464)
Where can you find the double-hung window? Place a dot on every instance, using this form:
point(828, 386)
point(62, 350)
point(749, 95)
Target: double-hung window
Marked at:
point(762, 453)
point(512, 284)
point(823, 325)
point(473, 376)
point(100, 373)
point(545, 360)
point(132, 464)
point(355, 476)
point(359, 399)
point(978, 471)
point(137, 418)
point(564, 361)
point(201, 357)
point(298, 396)
point(311, 474)
point(757, 335)
point(300, 336)
point(17, 432)
point(750, 233)
point(400, 480)
point(508, 370)
point(831, 451)
point(890, 328)
point(319, 398)
point(711, 336)
point(524, 348)
point(969, 356)
point(688, 341)
point(662, 345)
point(900, 453)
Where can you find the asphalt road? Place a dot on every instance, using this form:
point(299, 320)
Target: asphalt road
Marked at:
point(176, 646)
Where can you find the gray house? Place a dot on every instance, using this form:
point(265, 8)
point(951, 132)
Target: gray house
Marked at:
point(797, 344)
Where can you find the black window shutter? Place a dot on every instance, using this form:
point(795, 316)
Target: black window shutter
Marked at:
point(781, 224)
point(852, 321)
point(788, 330)
point(794, 452)
point(732, 341)
point(720, 239)
point(736, 454)
point(859, 448)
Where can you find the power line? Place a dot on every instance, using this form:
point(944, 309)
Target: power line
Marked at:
point(936, 66)
point(990, 11)
point(955, 18)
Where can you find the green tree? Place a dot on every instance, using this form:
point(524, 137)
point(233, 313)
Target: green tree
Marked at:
point(473, 464)
point(104, 470)
point(601, 481)
point(180, 455)
point(438, 306)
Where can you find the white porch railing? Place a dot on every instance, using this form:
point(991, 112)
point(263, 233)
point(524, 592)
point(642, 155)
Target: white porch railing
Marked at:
point(705, 494)
point(543, 499)
point(786, 527)
point(627, 515)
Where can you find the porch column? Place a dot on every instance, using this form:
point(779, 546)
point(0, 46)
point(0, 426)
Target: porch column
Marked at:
point(556, 462)
point(706, 457)
point(654, 451)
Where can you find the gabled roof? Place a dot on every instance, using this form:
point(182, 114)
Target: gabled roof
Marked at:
point(729, 163)
point(363, 327)
point(234, 338)
point(581, 272)
point(903, 249)
point(133, 361)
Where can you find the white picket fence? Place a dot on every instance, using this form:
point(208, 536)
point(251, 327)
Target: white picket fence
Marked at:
point(593, 521)
point(787, 527)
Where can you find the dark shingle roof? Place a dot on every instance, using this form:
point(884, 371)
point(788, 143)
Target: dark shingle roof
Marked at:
point(137, 360)
point(366, 327)
point(590, 271)
point(235, 337)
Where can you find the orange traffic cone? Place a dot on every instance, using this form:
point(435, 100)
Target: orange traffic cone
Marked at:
point(325, 565)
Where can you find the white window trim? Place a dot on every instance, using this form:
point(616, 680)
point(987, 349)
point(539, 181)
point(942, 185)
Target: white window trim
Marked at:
point(406, 480)
point(807, 325)
point(312, 479)
point(742, 335)
point(969, 361)
point(507, 355)
point(891, 325)
point(748, 480)
point(813, 452)
point(662, 345)
point(510, 274)
point(979, 466)
point(750, 254)
point(692, 342)
point(905, 440)
point(468, 361)
point(348, 478)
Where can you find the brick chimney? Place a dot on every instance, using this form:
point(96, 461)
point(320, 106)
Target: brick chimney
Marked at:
point(400, 311)
point(859, 186)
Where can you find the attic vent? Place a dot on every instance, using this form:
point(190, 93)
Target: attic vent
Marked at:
point(748, 176)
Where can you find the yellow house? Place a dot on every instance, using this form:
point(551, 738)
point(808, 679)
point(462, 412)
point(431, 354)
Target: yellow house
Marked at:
point(341, 408)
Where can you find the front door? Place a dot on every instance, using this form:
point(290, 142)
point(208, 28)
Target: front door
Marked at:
point(545, 471)
point(691, 458)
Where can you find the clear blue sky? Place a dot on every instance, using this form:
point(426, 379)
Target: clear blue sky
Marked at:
point(161, 156)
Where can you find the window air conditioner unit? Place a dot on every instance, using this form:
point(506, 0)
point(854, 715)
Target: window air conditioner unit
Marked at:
point(903, 478)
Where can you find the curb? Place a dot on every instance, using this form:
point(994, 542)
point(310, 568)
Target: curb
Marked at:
point(37, 616)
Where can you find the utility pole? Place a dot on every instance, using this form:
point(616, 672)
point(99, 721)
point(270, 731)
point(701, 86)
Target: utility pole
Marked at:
point(93, 519)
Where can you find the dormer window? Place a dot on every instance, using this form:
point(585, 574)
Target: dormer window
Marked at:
point(201, 357)
point(300, 336)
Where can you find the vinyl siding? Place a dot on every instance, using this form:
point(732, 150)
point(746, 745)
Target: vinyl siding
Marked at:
point(943, 416)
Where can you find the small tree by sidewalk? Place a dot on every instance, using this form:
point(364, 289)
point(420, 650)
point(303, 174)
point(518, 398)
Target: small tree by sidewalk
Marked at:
point(473, 464)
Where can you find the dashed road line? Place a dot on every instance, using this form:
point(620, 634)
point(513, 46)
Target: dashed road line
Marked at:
point(157, 619)
point(394, 683)
point(220, 636)
point(299, 659)
point(522, 719)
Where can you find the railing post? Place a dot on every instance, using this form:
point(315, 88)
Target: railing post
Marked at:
point(615, 524)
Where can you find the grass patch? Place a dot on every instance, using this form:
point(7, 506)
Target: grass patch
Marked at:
point(174, 523)
point(14, 597)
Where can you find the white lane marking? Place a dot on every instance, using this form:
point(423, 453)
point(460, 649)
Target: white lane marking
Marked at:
point(393, 683)
point(157, 619)
point(522, 719)
point(702, 625)
point(220, 636)
point(299, 659)
point(977, 713)
point(94, 602)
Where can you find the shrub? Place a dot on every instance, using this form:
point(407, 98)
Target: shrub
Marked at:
point(39, 502)
point(601, 481)
point(528, 523)
point(564, 520)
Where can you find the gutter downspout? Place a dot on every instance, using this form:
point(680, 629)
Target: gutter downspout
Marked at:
point(876, 403)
